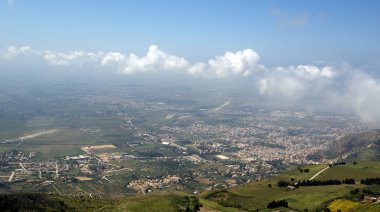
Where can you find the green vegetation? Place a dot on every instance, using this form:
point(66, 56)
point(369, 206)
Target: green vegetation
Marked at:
point(368, 207)
point(363, 146)
point(31, 202)
point(50, 202)
point(258, 195)
point(358, 171)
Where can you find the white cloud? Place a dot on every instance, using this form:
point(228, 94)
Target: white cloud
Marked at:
point(113, 58)
point(337, 90)
point(154, 60)
point(308, 72)
point(295, 82)
point(241, 63)
point(72, 58)
point(12, 52)
point(363, 97)
point(281, 87)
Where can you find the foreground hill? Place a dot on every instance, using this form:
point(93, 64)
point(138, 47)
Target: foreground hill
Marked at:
point(292, 187)
point(259, 194)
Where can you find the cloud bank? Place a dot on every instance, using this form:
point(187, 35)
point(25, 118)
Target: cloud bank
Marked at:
point(240, 63)
point(340, 88)
point(296, 82)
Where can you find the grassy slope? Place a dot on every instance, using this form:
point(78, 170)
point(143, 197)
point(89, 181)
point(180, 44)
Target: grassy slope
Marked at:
point(44, 202)
point(150, 203)
point(303, 198)
point(359, 171)
point(367, 144)
point(368, 207)
point(257, 195)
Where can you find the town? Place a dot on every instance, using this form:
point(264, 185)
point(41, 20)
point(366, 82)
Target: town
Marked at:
point(182, 147)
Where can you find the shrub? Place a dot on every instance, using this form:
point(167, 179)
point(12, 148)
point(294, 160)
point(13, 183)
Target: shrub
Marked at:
point(277, 204)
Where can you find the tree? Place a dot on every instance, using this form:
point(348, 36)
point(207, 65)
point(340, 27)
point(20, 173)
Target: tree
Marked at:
point(277, 204)
point(355, 191)
point(282, 183)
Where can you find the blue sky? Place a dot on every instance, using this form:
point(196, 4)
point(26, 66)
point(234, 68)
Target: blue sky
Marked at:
point(282, 32)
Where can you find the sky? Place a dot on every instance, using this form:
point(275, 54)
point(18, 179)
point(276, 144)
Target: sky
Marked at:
point(290, 51)
point(283, 32)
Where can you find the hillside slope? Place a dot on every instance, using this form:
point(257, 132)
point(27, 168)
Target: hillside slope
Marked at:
point(362, 147)
point(257, 195)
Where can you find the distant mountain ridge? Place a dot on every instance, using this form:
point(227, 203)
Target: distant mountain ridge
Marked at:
point(361, 146)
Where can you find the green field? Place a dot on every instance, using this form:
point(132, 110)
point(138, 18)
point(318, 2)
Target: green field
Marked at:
point(359, 171)
point(258, 194)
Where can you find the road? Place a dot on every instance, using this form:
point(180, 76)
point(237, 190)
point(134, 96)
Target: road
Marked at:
point(318, 173)
point(11, 177)
point(23, 167)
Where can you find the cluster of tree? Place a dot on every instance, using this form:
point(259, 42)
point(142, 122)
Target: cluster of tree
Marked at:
point(192, 204)
point(339, 164)
point(319, 182)
point(354, 191)
point(370, 181)
point(277, 204)
point(282, 183)
point(349, 181)
point(225, 203)
point(325, 182)
point(371, 193)
point(304, 170)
